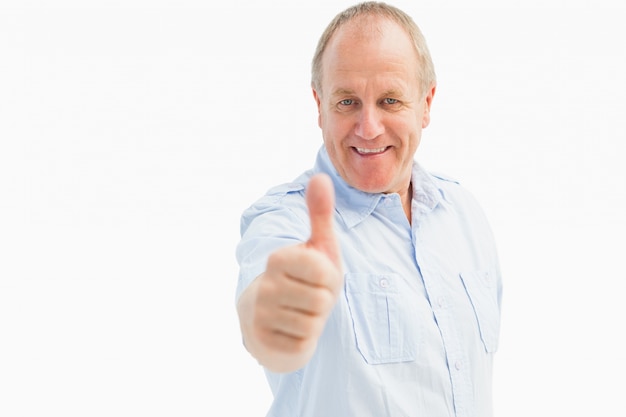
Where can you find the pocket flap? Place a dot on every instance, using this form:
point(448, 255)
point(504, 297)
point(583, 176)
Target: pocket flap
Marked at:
point(482, 290)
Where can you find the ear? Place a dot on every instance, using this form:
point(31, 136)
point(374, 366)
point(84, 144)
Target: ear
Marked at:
point(428, 99)
point(318, 102)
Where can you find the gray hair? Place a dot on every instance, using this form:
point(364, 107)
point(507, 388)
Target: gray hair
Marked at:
point(426, 71)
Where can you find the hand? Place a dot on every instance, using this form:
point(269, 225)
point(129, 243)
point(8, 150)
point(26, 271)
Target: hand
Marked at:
point(298, 290)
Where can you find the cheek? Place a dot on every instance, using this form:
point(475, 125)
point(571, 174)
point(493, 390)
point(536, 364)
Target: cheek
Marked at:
point(335, 129)
point(409, 129)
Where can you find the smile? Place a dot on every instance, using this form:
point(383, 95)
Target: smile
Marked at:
point(365, 151)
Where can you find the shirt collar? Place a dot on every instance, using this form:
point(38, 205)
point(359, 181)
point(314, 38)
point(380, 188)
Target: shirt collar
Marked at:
point(354, 205)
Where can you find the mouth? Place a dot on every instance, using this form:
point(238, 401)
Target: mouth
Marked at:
point(373, 151)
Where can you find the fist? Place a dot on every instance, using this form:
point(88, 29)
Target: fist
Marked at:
point(300, 286)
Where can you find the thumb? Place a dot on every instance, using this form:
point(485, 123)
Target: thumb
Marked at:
point(320, 200)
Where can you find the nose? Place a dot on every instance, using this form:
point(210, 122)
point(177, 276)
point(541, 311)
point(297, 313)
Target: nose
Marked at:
point(369, 124)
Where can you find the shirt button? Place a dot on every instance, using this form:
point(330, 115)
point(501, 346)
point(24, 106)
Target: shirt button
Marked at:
point(383, 283)
point(441, 302)
point(458, 365)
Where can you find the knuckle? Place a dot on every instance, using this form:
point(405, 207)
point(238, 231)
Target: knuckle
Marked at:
point(321, 302)
point(275, 259)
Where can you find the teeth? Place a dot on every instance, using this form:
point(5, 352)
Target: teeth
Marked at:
point(364, 150)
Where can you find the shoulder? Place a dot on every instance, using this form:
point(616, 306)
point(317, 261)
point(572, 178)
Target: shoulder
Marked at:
point(291, 190)
point(289, 193)
point(454, 191)
point(283, 190)
point(443, 177)
point(449, 187)
point(281, 205)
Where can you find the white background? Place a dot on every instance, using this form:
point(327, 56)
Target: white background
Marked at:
point(133, 134)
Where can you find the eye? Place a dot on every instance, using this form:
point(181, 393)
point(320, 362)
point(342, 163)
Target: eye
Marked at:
point(390, 101)
point(346, 102)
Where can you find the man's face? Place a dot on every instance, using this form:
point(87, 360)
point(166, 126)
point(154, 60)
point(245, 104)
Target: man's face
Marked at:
point(371, 109)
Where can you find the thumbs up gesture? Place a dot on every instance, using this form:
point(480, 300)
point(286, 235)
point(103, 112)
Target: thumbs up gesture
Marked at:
point(320, 200)
point(283, 312)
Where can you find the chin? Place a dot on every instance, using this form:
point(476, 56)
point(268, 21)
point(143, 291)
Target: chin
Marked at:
point(371, 187)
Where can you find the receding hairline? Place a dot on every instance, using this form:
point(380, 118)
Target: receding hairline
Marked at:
point(362, 12)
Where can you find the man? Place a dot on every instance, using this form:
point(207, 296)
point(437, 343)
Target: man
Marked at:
point(368, 286)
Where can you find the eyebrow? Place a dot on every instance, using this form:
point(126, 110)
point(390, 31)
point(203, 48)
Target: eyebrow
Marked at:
point(342, 92)
point(347, 92)
point(392, 93)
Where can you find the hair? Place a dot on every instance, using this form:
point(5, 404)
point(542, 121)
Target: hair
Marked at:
point(426, 69)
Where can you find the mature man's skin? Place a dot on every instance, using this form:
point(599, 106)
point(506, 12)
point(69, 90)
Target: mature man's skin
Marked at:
point(371, 112)
point(371, 109)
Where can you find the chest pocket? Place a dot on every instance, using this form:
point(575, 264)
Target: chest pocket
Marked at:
point(381, 314)
point(483, 294)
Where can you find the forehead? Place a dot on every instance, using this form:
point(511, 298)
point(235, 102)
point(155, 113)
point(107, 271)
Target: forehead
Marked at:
point(369, 49)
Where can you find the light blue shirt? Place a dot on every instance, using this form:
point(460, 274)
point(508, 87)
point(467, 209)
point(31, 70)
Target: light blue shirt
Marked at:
point(416, 326)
